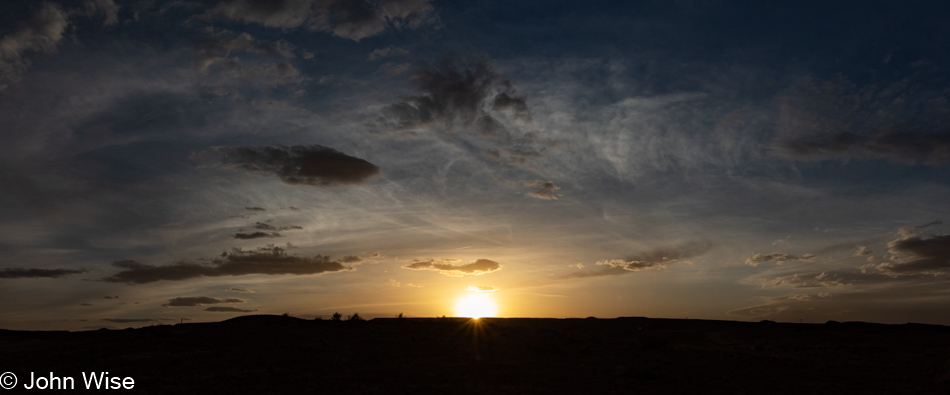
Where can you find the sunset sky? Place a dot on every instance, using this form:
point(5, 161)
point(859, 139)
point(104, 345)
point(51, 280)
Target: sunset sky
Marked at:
point(738, 160)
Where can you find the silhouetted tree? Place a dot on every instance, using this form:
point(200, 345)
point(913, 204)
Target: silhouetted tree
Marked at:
point(355, 317)
point(336, 317)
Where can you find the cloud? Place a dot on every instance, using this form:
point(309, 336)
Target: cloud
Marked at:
point(898, 146)
point(240, 290)
point(199, 300)
point(862, 251)
point(267, 260)
point(394, 69)
point(449, 268)
point(777, 257)
point(228, 310)
point(390, 51)
point(481, 288)
point(545, 190)
point(358, 19)
point(266, 226)
point(221, 49)
point(111, 297)
point(903, 121)
point(255, 235)
point(655, 259)
point(297, 165)
point(270, 13)
point(35, 273)
point(129, 320)
point(918, 255)
point(352, 19)
point(255, 209)
point(42, 32)
point(460, 92)
point(351, 259)
point(911, 231)
point(837, 279)
point(107, 8)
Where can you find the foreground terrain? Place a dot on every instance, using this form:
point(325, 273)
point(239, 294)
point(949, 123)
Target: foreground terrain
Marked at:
point(277, 354)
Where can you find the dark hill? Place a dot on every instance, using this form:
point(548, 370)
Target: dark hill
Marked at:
point(279, 354)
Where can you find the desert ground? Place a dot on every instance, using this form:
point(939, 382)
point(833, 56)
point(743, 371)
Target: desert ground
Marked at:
point(282, 354)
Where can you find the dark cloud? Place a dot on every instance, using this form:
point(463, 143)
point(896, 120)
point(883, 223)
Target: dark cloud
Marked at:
point(918, 255)
point(358, 19)
point(221, 49)
point(898, 146)
point(266, 226)
point(34, 273)
point(390, 51)
point(270, 13)
point(654, 259)
point(241, 290)
point(911, 231)
point(777, 257)
point(838, 278)
point(199, 300)
point(228, 310)
point(298, 165)
point(545, 190)
point(107, 8)
point(351, 259)
point(460, 92)
point(130, 320)
point(255, 235)
point(903, 121)
point(352, 19)
point(394, 69)
point(255, 209)
point(268, 260)
point(41, 32)
point(110, 297)
point(449, 268)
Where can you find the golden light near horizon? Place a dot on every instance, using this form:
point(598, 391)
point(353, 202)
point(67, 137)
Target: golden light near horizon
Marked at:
point(476, 305)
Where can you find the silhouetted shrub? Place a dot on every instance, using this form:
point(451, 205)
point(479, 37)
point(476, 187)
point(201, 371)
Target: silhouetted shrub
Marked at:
point(400, 316)
point(336, 317)
point(355, 317)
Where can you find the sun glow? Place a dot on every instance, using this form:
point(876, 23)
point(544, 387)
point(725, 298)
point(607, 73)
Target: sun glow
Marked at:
point(476, 305)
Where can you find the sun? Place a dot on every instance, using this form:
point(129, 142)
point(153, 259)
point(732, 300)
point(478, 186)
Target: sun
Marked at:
point(476, 305)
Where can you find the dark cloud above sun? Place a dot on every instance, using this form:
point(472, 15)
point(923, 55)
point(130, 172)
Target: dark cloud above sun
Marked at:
point(297, 165)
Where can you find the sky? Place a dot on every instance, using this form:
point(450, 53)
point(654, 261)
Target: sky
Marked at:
point(164, 161)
